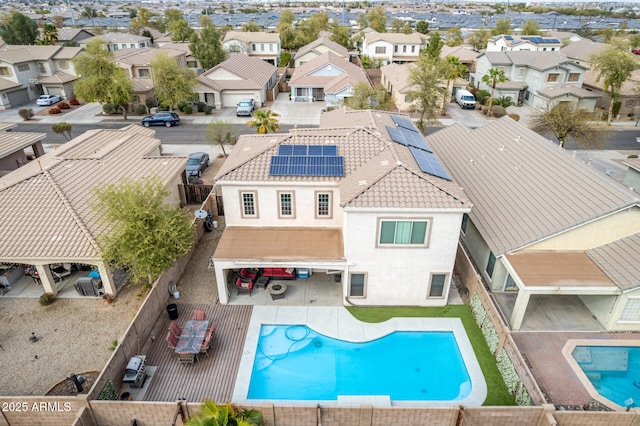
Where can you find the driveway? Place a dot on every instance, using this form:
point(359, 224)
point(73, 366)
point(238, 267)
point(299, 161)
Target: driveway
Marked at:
point(304, 113)
point(469, 117)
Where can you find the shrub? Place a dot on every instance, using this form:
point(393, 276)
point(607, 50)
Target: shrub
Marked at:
point(616, 108)
point(285, 59)
point(201, 106)
point(482, 96)
point(74, 101)
point(47, 299)
point(63, 105)
point(54, 110)
point(208, 109)
point(163, 107)
point(516, 117)
point(484, 109)
point(110, 108)
point(498, 111)
point(633, 156)
point(504, 101)
point(108, 392)
point(26, 113)
point(63, 129)
point(149, 103)
point(140, 109)
point(187, 109)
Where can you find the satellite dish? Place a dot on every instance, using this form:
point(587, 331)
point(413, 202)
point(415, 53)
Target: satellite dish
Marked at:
point(200, 214)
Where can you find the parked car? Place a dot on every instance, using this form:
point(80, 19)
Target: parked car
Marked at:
point(636, 51)
point(197, 163)
point(47, 100)
point(164, 118)
point(245, 107)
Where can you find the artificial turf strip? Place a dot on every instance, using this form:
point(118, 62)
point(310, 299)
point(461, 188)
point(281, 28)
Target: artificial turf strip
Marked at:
point(497, 393)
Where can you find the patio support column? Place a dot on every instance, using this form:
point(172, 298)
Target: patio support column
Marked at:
point(522, 301)
point(107, 282)
point(223, 291)
point(46, 278)
point(217, 101)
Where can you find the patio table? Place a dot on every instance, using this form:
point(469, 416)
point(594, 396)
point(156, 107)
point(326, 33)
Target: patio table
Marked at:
point(192, 336)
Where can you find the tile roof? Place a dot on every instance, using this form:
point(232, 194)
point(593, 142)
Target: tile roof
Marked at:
point(395, 38)
point(67, 34)
point(13, 54)
point(619, 261)
point(67, 52)
point(352, 74)
point(553, 92)
point(252, 37)
point(537, 60)
point(117, 38)
point(46, 211)
point(463, 53)
point(8, 84)
point(11, 142)
point(583, 49)
point(322, 41)
point(58, 77)
point(378, 172)
point(398, 75)
point(144, 56)
point(254, 72)
point(629, 87)
point(523, 187)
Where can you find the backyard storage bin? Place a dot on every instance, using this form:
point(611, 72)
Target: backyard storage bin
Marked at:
point(172, 310)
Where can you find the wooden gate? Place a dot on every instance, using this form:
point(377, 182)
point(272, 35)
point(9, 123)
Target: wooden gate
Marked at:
point(194, 194)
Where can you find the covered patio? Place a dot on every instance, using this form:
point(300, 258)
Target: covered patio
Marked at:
point(556, 291)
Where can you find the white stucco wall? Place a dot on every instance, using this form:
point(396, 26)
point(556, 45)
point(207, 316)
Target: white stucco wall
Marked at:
point(400, 275)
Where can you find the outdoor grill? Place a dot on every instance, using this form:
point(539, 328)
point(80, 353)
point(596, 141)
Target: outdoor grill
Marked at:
point(135, 374)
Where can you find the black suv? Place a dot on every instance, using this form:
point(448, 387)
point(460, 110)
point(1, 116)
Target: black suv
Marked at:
point(161, 118)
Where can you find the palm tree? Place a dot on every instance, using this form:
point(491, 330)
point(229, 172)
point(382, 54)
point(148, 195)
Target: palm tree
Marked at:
point(453, 71)
point(49, 34)
point(264, 121)
point(223, 415)
point(492, 78)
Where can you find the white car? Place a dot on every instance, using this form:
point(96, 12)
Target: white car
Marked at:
point(46, 100)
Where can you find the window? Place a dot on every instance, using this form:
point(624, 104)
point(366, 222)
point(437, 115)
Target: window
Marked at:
point(133, 46)
point(552, 77)
point(408, 98)
point(631, 311)
point(5, 71)
point(501, 69)
point(142, 45)
point(41, 67)
point(395, 49)
point(403, 232)
point(270, 47)
point(192, 64)
point(381, 49)
point(574, 76)
point(115, 47)
point(144, 73)
point(23, 67)
point(436, 285)
point(413, 49)
point(526, 94)
point(286, 206)
point(253, 47)
point(249, 205)
point(404, 49)
point(491, 264)
point(521, 72)
point(323, 205)
point(509, 283)
point(63, 65)
point(136, 99)
point(124, 46)
point(262, 47)
point(465, 219)
point(544, 49)
point(357, 284)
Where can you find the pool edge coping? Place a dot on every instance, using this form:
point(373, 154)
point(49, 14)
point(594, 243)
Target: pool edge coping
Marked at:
point(567, 351)
point(348, 328)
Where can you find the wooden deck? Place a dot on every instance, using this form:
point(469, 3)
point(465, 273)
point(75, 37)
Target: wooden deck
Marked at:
point(211, 377)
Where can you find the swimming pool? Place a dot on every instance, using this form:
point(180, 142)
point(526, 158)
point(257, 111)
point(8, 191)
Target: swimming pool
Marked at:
point(296, 363)
point(614, 371)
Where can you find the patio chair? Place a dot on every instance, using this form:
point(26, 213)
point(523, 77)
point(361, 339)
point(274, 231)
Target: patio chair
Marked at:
point(212, 327)
point(175, 329)
point(206, 344)
point(172, 340)
point(186, 358)
point(243, 284)
point(198, 314)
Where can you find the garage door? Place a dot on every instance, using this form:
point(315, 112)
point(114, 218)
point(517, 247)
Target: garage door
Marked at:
point(231, 99)
point(18, 97)
point(53, 90)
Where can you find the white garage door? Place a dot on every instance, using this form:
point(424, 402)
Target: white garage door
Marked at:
point(18, 97)
point(231, 99)
point(54, 90)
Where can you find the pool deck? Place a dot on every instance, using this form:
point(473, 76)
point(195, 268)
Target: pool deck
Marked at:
point(337, 322)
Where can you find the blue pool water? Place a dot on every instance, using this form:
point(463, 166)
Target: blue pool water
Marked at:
point(296, 363)
point(614, 371)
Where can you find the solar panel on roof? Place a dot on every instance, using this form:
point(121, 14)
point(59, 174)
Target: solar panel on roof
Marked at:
point(279, 165)
point(414, 139)
point(331, 150)
point(315, 150)
point(403, 122)
point(428, 163)
point(395, 135)
point(285, 150)
point(307, 165)
point(508, 37)
point(300, 150)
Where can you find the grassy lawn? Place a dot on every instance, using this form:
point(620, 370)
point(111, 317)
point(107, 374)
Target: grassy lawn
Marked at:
point(497, 393)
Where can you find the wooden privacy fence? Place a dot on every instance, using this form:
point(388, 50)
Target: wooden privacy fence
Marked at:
point(194, 194)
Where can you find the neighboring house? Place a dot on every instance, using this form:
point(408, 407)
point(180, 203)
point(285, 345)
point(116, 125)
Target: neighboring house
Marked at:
point(239, 77)
point(563, 36)
point(632, 176)
point(328, 77)
point(381, 216)
point(317, 48)
point(72, 36)
point(119, 41)
point(393, 47)
point(538, 79)
point(137, 63)
point(466, 56)
point(13, 146)
point(191, 61)
point(544, 224)
point(503, 43)
point(26, 72)
point(51, 221)
point(265, 46)
point(581, 52)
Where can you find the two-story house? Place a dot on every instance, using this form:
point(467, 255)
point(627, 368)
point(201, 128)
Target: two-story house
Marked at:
point(367, 200)
point(547, 231)
point(26, 72)
point(538, 79)
point(328, 77)
point(317, 48)
point(503, 43)
point(119, 41)
point(393, 47)
point(263, 45)
point(137, 63)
